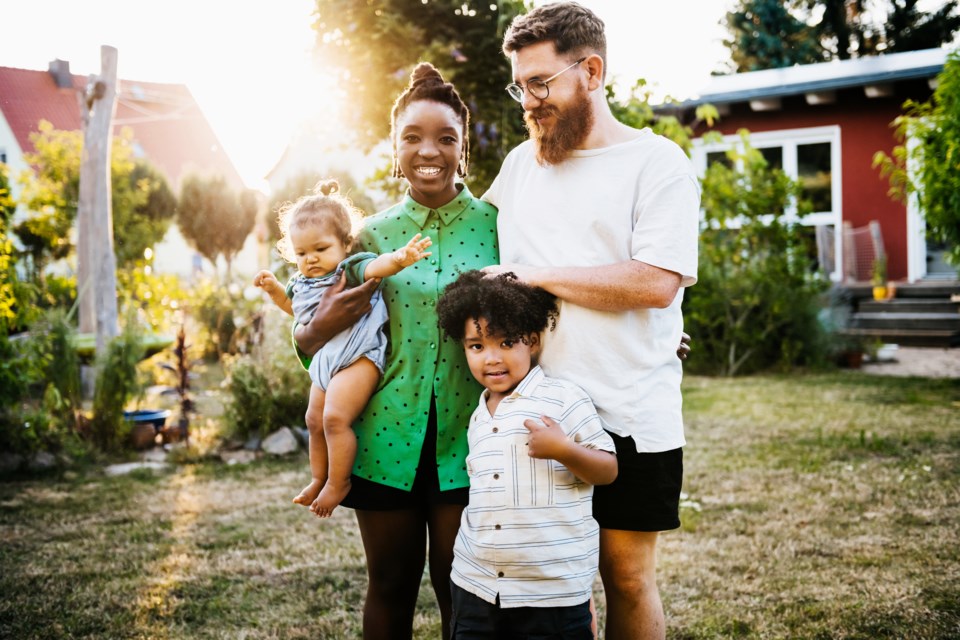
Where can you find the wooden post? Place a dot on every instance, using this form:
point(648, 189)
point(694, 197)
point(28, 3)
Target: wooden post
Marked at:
point(96, 262)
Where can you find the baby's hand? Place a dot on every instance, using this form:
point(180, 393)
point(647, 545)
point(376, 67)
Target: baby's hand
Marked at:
point(413, 251)
point(266, 281)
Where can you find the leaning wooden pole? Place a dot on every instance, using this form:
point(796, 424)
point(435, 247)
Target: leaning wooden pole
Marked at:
point(97, 264)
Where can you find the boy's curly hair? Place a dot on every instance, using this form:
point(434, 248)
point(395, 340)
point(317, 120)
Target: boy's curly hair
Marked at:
point(511, 308)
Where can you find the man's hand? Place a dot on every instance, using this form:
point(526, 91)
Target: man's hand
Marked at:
point(684, 349)
point(525, 273)
point(547, 439)
point(339, 308)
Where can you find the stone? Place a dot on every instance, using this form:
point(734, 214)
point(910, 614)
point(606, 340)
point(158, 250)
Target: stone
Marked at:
point(10, 462)
point(303, 436)
point(42, 461)
point(281, 442)
point(130, 467)
point(241, 456)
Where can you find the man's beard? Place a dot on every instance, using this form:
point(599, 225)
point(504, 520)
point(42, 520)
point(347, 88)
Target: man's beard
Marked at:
point(571, 126)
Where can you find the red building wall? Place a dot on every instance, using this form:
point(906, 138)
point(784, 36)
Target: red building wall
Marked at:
point(865, 128)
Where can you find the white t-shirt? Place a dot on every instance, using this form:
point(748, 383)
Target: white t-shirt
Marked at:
point(637, 200)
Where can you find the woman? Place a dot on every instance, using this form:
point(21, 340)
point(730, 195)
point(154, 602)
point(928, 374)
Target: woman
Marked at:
point(409, 484)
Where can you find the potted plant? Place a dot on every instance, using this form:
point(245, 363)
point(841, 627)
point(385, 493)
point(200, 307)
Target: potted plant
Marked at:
point(879, 278)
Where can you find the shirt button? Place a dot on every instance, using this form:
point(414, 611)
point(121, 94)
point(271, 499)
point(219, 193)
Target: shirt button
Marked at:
point(433, 261)
point(495, 430)
point(496, 476)
point(433, 346)
point(499, 574)
point(497, 527)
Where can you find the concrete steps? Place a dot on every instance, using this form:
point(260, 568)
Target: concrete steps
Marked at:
point(922, 314)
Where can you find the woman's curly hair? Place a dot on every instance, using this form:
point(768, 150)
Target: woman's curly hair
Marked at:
point(511, 308)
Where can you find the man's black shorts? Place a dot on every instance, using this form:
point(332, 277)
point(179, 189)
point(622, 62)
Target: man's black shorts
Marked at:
point(646, 494)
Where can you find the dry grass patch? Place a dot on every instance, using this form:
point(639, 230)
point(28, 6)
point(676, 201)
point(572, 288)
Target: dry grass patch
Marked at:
point(818, 507)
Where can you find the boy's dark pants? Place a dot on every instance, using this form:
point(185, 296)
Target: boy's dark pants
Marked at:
point(477, 619)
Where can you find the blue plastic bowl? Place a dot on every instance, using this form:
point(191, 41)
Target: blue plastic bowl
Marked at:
point(155, 417)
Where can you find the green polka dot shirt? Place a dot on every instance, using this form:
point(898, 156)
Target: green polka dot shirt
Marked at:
point(421, 363)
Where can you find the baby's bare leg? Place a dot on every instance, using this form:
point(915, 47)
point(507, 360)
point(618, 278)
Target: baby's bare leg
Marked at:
point(347, 395)
point(317, 448)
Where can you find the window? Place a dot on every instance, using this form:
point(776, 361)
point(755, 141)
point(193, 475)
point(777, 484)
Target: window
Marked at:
point(810, 156)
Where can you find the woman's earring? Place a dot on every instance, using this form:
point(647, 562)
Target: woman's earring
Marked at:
point(397, 171)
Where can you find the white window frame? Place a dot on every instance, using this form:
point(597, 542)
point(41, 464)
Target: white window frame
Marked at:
point(789, 140)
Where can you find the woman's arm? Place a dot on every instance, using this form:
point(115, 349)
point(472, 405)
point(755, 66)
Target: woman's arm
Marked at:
point(549, 442)
point(338, 309)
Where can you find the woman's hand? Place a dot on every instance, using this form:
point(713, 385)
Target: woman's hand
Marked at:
point(339, 308)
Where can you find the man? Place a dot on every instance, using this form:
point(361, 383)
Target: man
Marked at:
point(605, 217)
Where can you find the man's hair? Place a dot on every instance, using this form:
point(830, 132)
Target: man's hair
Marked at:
point(511, 308)
point(570, 26)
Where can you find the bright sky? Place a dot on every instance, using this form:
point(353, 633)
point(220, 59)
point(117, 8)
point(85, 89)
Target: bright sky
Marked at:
point(249, 67)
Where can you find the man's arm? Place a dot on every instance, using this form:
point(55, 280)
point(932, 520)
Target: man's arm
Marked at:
point(338, 309)
point(621, 286)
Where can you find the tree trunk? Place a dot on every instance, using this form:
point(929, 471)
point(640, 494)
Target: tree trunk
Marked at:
point(97, 278)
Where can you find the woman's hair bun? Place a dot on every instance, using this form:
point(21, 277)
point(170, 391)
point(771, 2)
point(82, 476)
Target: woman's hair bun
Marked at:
point(425, 73)
point(326, 187)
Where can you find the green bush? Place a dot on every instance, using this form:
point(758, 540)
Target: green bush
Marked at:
point(228, 319)
point(117, 383)
point(40, 389)
point(756, 303)
point(268, 388)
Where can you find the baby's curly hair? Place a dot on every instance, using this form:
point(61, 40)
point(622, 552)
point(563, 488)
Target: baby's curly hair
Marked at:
point(325, 206)
point(511, 308)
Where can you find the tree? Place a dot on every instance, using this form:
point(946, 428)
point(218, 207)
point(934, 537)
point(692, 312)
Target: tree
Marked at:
point(15, 295)
point(765, 34)
point(215, 219)
point(771, 33)
point(909, 29)
point(635, 111)
point(372, 45)
point(930, 146)
point(143, 204)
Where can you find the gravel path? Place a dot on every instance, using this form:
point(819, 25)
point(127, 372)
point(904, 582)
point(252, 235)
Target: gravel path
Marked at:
point(927, 362)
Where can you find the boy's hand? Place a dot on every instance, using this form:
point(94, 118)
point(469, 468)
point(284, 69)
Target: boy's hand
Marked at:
point(547, 440)
point(267, 281)
point(414, 251)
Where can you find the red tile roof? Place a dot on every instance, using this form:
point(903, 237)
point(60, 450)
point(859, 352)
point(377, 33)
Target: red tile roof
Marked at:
point(168, 127)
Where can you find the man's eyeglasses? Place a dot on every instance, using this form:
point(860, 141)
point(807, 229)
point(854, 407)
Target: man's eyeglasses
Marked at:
point(539, 89)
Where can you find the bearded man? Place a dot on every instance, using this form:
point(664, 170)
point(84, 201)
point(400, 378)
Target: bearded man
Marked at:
point(605, 217)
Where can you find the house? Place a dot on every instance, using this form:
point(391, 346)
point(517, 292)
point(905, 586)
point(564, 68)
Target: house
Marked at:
point(822, 124)
point(169, 130)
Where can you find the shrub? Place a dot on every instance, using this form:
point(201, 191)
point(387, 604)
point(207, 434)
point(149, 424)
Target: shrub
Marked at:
point(756, 303)
point(40, 389)
point(268, 388)
point(228, 318)
point(117, 383)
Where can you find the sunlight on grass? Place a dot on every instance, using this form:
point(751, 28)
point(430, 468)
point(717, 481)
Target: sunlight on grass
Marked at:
point(164, 577)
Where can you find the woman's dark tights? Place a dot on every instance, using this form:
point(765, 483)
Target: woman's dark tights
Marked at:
point(395, 543)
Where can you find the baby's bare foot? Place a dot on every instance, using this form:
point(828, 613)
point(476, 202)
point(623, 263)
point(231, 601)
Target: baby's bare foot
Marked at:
point(332, 495)
point(309, 493)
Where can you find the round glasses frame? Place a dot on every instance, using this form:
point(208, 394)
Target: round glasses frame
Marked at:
point(539, 89)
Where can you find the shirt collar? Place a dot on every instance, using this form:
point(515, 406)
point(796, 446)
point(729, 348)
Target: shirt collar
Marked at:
point(448, 212)
point(530, 382)
point(525, 388)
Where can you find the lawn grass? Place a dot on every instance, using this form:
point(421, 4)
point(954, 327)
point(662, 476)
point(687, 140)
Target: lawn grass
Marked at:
point(818, 506)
